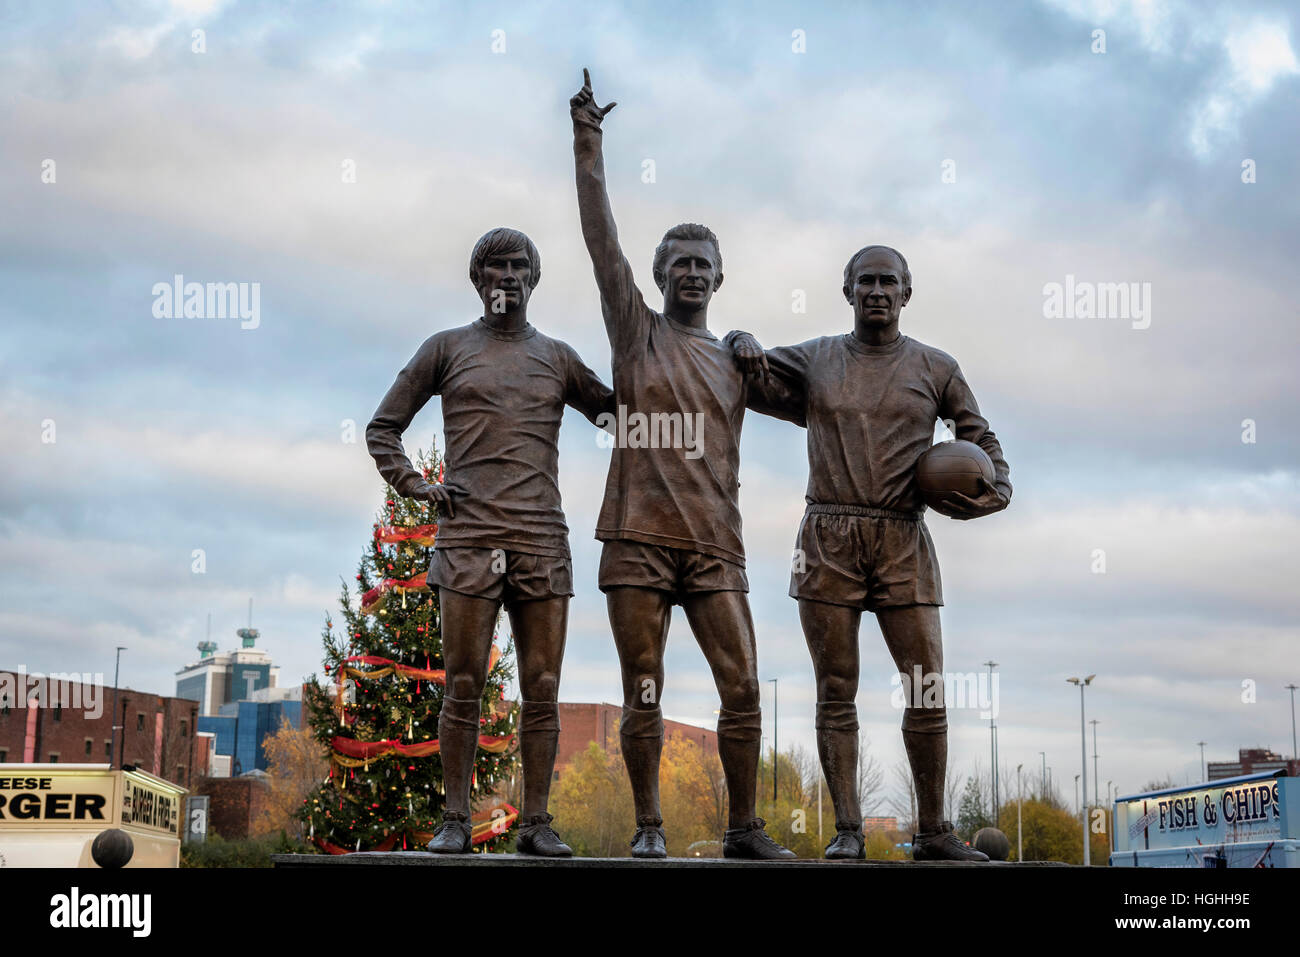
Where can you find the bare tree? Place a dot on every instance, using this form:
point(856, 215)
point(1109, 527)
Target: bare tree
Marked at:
point(903, 801)
point(717, 790)
point(870, 773)
point(1009, 792)
point(952, 785)
point(806, 766)
point(871, 779)
point(984, 786)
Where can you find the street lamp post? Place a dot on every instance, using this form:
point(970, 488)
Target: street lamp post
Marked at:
point(997, 781)
point(1096, 778)
point(1042, 787)
point(1020, 804)
point(112, 726)
point(1201, 745)
point(775, 750)
point(1076, 794)
point(122, 757)
point(993, 752)
point(1083, 751)
point(1294, 755)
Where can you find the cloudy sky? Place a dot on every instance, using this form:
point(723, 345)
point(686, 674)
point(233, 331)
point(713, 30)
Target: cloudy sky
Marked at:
point(998, 147)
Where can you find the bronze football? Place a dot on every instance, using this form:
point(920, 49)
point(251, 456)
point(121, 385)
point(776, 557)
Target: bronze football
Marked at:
point(952, 467)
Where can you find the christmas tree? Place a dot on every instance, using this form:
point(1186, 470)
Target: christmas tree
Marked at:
point(379, 718)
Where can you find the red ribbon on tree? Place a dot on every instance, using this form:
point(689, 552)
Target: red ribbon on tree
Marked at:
point(416, 534)
point(384, 665)
point(371, 750)
point(370, 600)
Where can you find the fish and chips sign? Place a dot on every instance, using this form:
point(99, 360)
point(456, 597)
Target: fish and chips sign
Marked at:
point(1248, 821)
point(1234, 814)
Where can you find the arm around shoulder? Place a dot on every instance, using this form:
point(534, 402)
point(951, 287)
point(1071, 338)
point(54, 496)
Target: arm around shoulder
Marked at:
point(774, 378)
point(586, 392)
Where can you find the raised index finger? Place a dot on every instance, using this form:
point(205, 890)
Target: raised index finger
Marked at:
point(586, 80)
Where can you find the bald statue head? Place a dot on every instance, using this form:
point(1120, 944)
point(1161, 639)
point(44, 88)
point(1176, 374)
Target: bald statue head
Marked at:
point(877, 284)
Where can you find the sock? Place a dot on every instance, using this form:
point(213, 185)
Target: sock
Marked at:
point(641, 735)
point(740, 736)
point(458, 746)
point(539, 735)
point(837, 746)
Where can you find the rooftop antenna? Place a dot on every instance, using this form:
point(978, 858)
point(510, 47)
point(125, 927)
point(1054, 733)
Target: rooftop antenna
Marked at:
point(250, 633)
point(207, 646)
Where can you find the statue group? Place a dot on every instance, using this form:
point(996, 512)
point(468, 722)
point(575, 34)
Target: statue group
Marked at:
point(670, 521)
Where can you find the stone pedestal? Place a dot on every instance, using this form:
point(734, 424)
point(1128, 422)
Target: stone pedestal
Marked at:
point(426, 859)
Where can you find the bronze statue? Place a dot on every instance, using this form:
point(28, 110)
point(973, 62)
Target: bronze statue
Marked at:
point(869, 400)
point(670, 520)
point(502, 537)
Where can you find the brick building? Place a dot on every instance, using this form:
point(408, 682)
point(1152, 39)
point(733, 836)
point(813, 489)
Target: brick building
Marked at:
point(235, 803)
point(1251, 761)
point(580, 724)
point(73, 725)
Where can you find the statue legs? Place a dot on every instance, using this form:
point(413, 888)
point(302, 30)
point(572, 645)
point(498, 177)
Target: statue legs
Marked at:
point(724, 629)
point(467, 627)
point(831, 632)
point(540, 627)
point(639, 618)
point(913, 636)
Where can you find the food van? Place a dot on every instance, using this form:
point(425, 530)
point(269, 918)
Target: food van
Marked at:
point(50, 814)
point(1248, 821)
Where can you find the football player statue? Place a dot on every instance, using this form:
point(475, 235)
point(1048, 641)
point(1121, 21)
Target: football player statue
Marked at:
point(502, 538)
point(869, 400)
point(670, 520)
